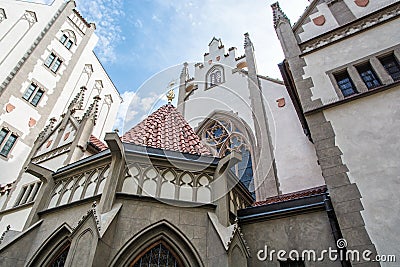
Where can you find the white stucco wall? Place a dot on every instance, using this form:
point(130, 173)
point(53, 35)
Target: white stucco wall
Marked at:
point(14, 11)
point(232, 95)
point(19, 118)
point(295, 158)
point(367, 132)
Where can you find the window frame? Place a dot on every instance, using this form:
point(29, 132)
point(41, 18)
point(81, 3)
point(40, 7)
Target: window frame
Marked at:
point(39, 90)
point(56, 59)
point(213, 69)
point(364, 68)
point(345, 75)
point(33, 189)
point(396, 62)
point(6, 142)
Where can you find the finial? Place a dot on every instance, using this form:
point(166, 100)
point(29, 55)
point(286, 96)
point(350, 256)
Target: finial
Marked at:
point(247, 41)
point(278, 14)
point(170, 96)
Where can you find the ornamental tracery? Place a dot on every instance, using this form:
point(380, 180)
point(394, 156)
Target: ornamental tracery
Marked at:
point(223, 137)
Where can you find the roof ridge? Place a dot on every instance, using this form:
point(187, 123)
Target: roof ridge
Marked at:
point(167, 129)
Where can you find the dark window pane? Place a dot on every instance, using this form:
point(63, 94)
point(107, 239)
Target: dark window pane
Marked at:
point(68, 44)
point(3, 134)
point(345, 84)
point(392, 67)
point(8, 145)
point(37, 97)
point(49, 60)
point(63, 39)
point(158, 256)
point(368, 76)
point(56, 65)
point(28, 93)
point(61, 258)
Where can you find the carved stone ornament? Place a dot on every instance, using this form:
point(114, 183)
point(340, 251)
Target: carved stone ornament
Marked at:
point(361, 3)
point(320, 20)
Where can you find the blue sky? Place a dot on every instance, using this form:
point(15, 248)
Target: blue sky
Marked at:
point(139, 39)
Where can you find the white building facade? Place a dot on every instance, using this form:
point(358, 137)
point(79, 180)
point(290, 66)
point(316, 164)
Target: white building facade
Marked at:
point(46, 57)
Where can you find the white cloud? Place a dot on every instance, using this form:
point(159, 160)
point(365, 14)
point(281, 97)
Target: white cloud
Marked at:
point(105, 14)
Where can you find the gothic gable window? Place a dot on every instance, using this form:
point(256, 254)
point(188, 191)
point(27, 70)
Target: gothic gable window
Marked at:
point(60, 258)
point(157, 255)
point(222, 137)
point(215, 76)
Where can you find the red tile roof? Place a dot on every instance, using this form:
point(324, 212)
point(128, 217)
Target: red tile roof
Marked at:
point(97, 143)
point(291, 196)
point(166, 129)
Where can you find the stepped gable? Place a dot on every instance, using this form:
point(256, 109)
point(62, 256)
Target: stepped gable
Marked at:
point(166, 129)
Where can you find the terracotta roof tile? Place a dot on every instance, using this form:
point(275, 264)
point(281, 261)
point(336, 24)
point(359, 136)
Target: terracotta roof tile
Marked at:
point(292, 196)
point(166, 129)
point(97, 143)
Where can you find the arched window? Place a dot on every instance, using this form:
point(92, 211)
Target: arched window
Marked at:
point(60, 257)
point(222, 137)
point(157, 255)
point(215, 76)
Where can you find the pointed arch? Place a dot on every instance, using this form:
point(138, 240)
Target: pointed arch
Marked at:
point(215, 76)
point(223, 132)
point(164, 232)
point(52, 247)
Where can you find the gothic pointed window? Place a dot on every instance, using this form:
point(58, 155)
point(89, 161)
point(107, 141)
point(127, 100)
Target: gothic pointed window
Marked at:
point(157, 255)
point(60, 258)
point(222, 137)
point(215, 76)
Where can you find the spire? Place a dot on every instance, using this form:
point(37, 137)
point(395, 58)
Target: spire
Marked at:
point(247, 41)
point(77, 102)
point(184, 73)
point(278, 14)
point(93, 109)
point(49, 127)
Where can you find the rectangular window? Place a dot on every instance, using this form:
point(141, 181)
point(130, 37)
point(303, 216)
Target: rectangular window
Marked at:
point(27, 194)
point(63, 39)
point(391, 65)
point(8, 145)
point(33, 94)
point(37, 97)
point(345, 84)
point(290, 263)
point(28, 93)
point(56, 65)
point(368, 76)
point(3, 134)
point(49, 60)
point(69, 44)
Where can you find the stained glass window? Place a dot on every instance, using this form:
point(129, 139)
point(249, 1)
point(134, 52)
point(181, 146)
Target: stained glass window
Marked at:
point(59, 260)
point(157, 256)
point(223, 138)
